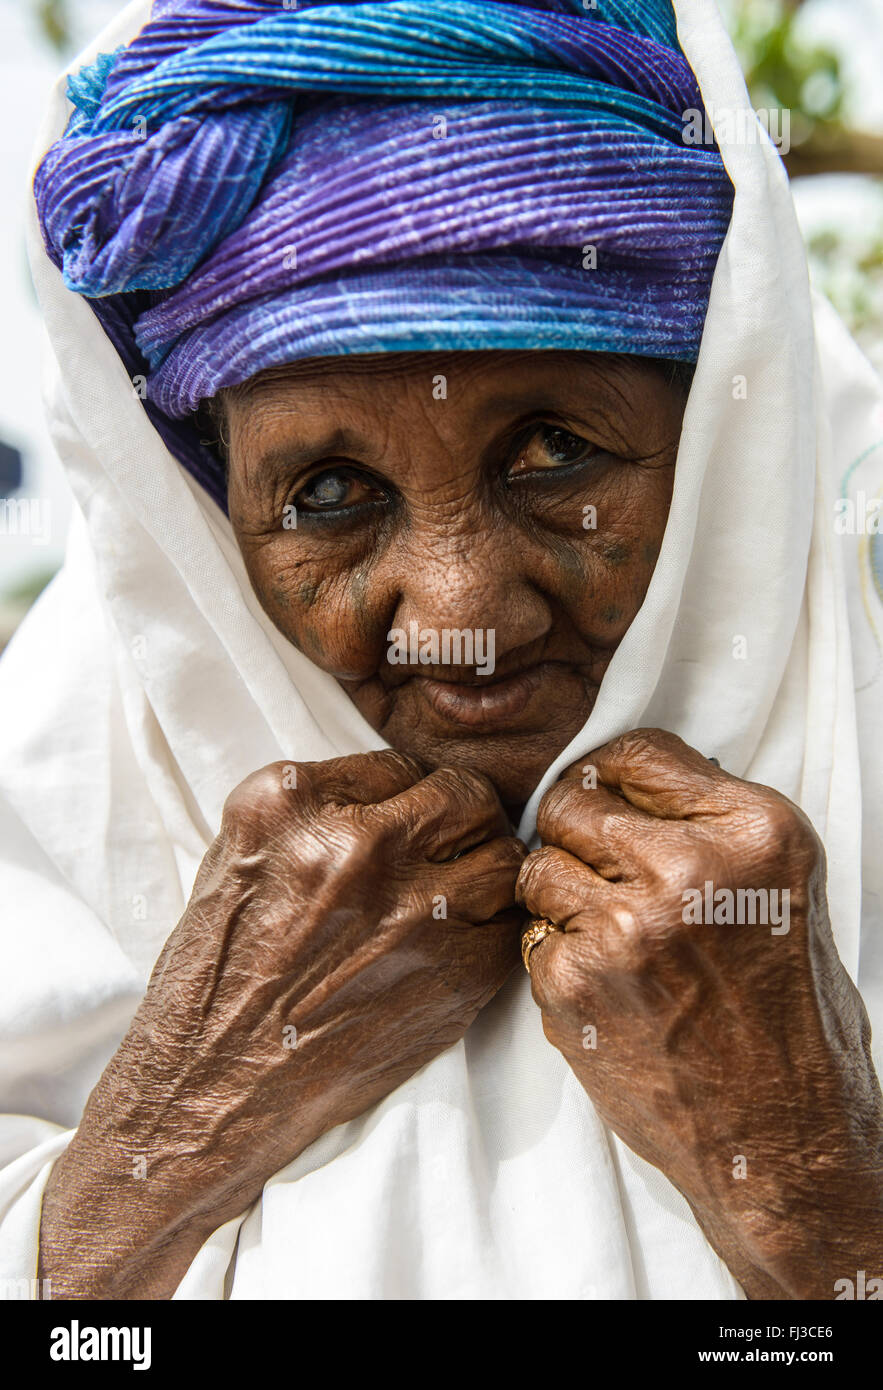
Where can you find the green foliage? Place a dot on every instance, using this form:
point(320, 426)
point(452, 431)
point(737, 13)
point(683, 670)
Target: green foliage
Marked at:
point(54, 19)
point(848, 269)
point(782, 70)
point(27, 590)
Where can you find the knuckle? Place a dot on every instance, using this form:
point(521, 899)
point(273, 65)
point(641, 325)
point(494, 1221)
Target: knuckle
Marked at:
point(775, 816)
point(627, 945)
point(776, 827)
point(359, 824)
point(789, 825)
point(505, 863)
point(512, 852)
point(500, 857)
point(611, 827)
point(388, 759)
point(334, 849)
point(558, 803)
point(263, 796)
point(686, 869)
point(532, 874)
point(640, 744)
point(354, 849)
point(465, 783)
point(558, 794)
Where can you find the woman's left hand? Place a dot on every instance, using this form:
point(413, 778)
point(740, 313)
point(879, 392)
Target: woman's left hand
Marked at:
point(734, 1057)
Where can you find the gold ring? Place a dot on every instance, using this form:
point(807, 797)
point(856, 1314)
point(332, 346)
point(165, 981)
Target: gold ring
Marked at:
point(539, 929)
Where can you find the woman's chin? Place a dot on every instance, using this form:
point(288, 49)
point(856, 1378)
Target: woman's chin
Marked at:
point(514, 759)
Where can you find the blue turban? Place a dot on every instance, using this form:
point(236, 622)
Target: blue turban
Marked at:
point(251, 182)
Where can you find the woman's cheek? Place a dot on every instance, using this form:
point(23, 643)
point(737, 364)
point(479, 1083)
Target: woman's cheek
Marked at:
point(292, 592)
point(618, 567)
point(324, 616)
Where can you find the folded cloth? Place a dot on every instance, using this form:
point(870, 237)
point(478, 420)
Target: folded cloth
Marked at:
point(246, 185)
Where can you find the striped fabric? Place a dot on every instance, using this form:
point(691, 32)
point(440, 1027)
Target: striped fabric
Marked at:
point(251, 183)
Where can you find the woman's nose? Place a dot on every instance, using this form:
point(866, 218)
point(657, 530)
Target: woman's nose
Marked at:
point(476, 583)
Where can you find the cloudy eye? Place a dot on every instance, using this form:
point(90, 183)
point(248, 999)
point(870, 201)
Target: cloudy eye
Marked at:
point(328, 490)
point(335, 490)
point(551, 447)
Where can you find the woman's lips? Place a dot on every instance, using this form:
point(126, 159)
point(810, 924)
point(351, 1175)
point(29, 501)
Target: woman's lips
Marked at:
point(485, 702)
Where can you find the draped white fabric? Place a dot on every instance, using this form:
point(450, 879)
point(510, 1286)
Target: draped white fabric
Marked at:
point(147, 683)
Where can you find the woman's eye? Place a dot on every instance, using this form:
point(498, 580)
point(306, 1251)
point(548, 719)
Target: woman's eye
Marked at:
point(335, 490)
point(551, 447)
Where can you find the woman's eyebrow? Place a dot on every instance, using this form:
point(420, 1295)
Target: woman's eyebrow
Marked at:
point(597, 407)
point(301, 447)
point(566, 391)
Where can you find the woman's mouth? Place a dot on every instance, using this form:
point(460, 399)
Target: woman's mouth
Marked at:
point(482, 702)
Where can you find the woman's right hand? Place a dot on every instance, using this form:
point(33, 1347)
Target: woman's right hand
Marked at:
point(332, 946)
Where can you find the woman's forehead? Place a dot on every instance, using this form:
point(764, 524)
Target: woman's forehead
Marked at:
point(478, 370)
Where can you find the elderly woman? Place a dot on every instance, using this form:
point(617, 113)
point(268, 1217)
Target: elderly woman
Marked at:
point(424, 614)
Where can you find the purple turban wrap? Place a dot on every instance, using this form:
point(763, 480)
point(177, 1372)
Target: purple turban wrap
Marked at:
point(252, 182)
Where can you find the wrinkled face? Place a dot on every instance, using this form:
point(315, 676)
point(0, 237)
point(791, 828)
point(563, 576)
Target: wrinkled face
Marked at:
point(461, 539)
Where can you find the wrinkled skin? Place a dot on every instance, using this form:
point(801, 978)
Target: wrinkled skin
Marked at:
point(314, 907)
point(458, 514)
point(312, 910)
point(713, 1043)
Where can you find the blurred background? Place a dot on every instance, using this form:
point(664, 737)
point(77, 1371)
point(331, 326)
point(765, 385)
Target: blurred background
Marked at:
point(822, 60)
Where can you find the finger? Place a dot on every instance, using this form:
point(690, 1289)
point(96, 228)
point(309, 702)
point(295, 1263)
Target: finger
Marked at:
point(449, 812)
point(545, 962)
point(482, 883)
point(554, 884)
point(659, 773)
point(363, 778)
point(597, 826)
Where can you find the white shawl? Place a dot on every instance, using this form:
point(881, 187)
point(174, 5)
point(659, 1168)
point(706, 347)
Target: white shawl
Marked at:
point(147, 682)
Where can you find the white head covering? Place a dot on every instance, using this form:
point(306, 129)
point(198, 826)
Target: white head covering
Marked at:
point(148, 682)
